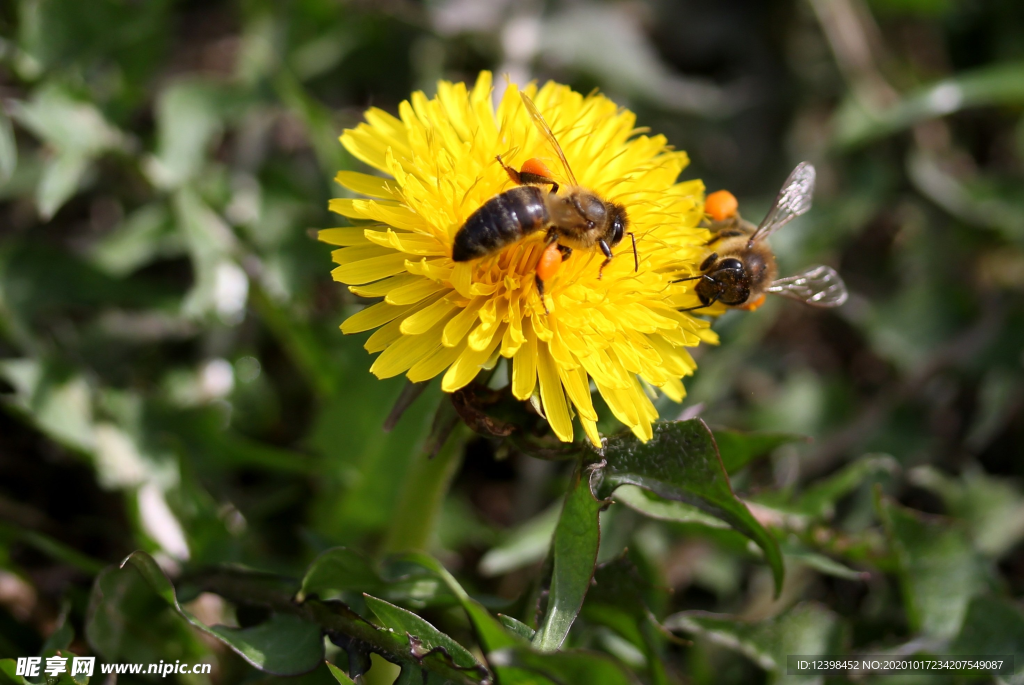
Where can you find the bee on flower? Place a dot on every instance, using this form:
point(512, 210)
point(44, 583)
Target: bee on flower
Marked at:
point(565, 326)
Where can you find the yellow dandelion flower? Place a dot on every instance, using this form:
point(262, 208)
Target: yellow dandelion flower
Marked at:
point(622, 332)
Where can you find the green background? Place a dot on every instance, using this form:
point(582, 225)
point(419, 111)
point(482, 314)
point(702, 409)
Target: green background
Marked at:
point(173, 378)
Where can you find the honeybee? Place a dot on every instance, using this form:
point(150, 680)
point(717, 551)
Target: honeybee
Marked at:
point(578, 218)
point(740, 270)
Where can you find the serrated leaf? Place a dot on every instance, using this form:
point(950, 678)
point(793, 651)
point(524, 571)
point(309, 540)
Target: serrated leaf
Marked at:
point(938, 570)
point(423, 637)
point(739, 448)
point(681, 462)
point(574, 553)
point(284, 644)
point(491, 634)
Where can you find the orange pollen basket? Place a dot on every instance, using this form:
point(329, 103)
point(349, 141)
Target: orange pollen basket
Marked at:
point(549, 262)
point(721, 205)
point(753, 304)
point(536, 167)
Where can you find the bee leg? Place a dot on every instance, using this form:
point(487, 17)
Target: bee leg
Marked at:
point(607, 257)
point(540, 291)
point(512, 173)
point(708, 261)
point(636, 257)
point(566, 251)
point(702, 305)
point(524, 177)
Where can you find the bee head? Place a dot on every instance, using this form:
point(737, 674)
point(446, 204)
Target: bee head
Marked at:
point(617, 222)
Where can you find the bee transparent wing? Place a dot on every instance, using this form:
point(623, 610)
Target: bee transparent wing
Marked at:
point(549, 135)
point(793, 200)
point(818, 286)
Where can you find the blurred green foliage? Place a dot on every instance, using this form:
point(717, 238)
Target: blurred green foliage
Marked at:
point(173, 380)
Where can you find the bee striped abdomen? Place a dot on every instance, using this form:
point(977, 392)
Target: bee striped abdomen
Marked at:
point(501, 221)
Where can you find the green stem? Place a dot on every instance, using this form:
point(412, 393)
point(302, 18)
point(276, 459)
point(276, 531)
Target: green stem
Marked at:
point(426, 485)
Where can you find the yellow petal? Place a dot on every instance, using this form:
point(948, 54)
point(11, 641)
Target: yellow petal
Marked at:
point(427, 317)
point(410, 293)
point(434, 363)
point(577, 385)
point(404, 353)
point(552, 395)
point(373, 269)
point(466, 367)
point(342, 236)
point(364, 184)
point(459, 326)
point(383, 287)
point(524, 365)
point(372, 316)
point(384, 336)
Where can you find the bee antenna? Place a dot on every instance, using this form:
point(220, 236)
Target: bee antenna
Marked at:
point(636, 258)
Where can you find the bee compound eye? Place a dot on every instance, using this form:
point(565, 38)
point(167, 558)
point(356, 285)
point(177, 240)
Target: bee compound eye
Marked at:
point(731, 264)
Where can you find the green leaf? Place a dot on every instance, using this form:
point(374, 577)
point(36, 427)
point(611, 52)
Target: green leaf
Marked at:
point(285, 644)
point(489, 630)
point(938, 569)
point(8, 149)
point(142, 237)
point(343, 573)
point(649, 504)
point(819, 500)
point(618, 602)
point(821, 563)
point(738, 448)
point(681, 462)
point(517, 627)
point(992, 508)
point(8, 671)
point(522, 546)
point(189, 116)
point(61, 177)
point(340, 570)
point(522, 666)
point(423, 637)
point(1000, 84)
point(339, 675)
point(807, 628)
point(992, 626)
point(65, 123)
point(574, 553)
point(360, 638)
